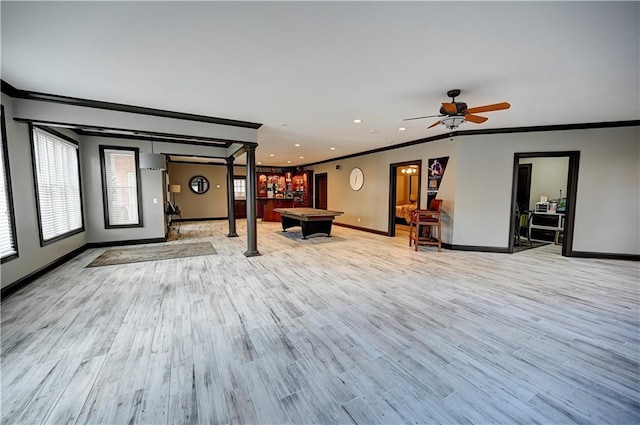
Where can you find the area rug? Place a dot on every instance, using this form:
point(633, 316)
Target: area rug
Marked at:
point(152, 253)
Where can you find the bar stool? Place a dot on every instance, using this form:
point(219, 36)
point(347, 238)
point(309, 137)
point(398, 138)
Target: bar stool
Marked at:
point(421, 225)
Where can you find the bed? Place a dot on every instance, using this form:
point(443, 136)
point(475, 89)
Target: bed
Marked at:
point(403, 213)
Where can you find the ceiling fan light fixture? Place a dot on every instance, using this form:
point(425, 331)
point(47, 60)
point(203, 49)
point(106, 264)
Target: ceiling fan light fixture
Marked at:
point(452, 122)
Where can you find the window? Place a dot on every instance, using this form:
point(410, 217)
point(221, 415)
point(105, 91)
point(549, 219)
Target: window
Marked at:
point(120, 187)
point(240, 188)
point(8, 243)
point(57, 175)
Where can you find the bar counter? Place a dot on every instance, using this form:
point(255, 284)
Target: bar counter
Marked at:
point(265, 207)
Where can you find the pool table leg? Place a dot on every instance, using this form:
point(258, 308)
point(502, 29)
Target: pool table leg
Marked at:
point(312, 227)
point(288, 222)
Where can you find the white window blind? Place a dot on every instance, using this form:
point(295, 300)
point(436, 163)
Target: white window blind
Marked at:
point(239, 189)
point(58, 182)
point(121, 187)
point(7, 238)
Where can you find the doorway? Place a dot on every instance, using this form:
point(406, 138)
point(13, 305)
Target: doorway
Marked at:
point(556, 211)
point(404, 195)
point(523, 197)
point(320, 198)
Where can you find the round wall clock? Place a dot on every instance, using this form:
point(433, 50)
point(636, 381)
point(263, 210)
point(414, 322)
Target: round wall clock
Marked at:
point(356, 179)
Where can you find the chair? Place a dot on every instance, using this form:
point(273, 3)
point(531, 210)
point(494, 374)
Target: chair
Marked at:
point(173, 211)
point(517, 221)
point(522, 221)
point(421, 225)
point(559, 237)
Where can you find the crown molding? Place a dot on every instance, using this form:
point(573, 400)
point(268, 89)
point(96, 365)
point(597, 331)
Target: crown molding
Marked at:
point(555, 127)
point(12, 91)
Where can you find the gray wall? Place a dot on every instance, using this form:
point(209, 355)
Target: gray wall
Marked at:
point(154, 193)
point(548, 178)
point(152, 213)
point(477, 186)
point(608, 182)
point(32, 256)
point(371, 203)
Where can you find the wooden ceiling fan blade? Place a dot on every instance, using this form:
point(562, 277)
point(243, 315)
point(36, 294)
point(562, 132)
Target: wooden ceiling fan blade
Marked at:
point(475, 118)
point(434, 124)
point(419, 118)
point(489, 108)
point(450, 108)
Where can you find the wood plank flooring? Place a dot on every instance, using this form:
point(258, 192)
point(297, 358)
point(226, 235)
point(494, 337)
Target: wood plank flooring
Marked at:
point(356, 328)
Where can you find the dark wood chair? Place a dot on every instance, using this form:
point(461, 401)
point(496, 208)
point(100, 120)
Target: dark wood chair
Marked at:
point(422, 224)
point(517, 219)
point(174, 217)
point(522, 220)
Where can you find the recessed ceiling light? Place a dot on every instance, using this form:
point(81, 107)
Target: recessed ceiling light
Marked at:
point(372, 131)
point(297, 145)
point(333, 149)
point(357, 121)
point(302, 157)
point(272, 154)
point(283, 124)
point(401, 129)
point(288, 162)
point(259, 163)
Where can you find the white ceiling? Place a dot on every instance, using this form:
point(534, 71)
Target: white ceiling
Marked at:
point(317, 66)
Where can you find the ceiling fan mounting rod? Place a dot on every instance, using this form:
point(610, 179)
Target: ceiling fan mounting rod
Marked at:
point(453, 94)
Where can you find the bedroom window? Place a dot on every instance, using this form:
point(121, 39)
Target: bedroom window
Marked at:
point(121, 187)
point(57, 178)
point(8, 243)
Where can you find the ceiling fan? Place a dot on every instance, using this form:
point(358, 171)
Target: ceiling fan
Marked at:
point(457, 113)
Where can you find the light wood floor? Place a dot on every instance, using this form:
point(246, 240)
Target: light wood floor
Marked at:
point(357, 328)
point(402, 231)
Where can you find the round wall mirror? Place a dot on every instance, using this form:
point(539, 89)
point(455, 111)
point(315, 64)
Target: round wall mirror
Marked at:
point(199, 184)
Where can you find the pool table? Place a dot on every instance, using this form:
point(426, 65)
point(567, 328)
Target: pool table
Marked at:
point(311, 220)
